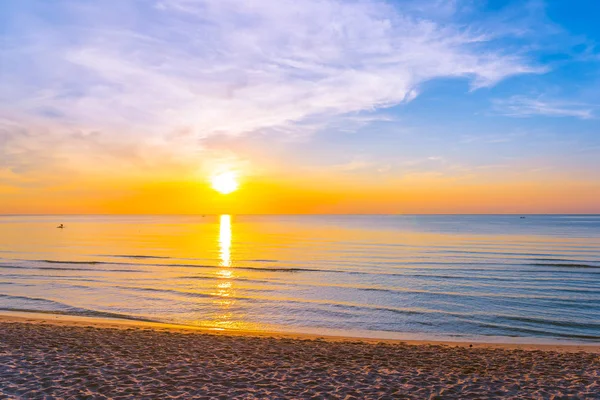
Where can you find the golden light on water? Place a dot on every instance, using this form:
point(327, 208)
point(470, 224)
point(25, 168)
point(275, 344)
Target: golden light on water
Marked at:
point(225, 182)
point(227, 312)
point(225, 273)
point(225, 240)
point(224, 289)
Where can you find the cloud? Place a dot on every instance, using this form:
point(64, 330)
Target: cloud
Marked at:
point(521, 106)
point(136, 73)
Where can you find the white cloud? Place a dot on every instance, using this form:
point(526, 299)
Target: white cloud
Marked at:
point(521, 106)
point(214, 67)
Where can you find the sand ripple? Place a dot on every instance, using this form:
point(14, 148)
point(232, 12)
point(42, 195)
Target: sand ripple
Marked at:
point(38, 360)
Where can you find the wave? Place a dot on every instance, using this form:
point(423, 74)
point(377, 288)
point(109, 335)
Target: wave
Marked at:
point(552, 322)
point(560, 259)
point(375, 289)
point(278, 269)
point(189, 293)
point(57, 277)
point(579, 290)
point(466, 278)
point(565, 265)
point(299, 269)
point(534, 331)
point(10, 296)
point(284, 269)
point(70, 262)
point(134, 256)
point(434, 294)
point(218, 278)
point(84, 313)
point(181, 292)
point(67, 269)
point(66, 309)
point(588, 271)
point(501, 253)
point(87, 269)
point(279, 300)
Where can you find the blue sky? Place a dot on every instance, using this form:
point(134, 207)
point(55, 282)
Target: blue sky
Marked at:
point(367, 89)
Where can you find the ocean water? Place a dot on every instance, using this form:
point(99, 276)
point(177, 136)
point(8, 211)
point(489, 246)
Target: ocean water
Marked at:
point(439, 276)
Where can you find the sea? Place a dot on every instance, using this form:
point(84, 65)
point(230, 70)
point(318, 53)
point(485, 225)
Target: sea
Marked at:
point(510, 278)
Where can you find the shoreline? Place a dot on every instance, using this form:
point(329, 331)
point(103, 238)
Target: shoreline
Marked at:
point(115, 323)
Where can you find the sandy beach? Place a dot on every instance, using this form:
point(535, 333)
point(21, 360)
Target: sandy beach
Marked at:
point(79, 358)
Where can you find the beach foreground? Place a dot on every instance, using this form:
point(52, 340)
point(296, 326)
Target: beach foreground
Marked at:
point(79, 360)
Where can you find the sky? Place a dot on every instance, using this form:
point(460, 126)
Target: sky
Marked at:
point(317, 106)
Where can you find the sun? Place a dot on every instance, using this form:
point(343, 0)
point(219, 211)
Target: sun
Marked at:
point(225, 182)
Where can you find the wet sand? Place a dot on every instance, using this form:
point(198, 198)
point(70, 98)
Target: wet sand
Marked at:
point(79, 358)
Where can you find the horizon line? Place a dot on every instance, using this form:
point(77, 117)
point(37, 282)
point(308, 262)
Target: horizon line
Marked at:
point(287, 214)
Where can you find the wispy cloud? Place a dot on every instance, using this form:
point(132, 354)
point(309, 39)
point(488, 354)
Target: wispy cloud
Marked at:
point(521, 106)
point(139, 72)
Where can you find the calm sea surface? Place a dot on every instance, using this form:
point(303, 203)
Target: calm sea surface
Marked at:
point(458, 277)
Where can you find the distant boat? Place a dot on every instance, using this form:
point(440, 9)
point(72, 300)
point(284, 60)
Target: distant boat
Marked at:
point(61, 226)
point(522, 217)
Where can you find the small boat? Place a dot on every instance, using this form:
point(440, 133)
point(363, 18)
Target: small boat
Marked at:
point(61, 226)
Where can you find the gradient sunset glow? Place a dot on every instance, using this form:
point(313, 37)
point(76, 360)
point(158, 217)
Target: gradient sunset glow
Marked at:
point(370, 106)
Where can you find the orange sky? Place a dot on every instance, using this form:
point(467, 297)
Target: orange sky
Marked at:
point(300, 196)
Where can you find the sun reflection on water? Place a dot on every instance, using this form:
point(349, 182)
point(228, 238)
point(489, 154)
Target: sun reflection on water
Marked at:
point(224, 289)
point(225, 240)
point(227, 312)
